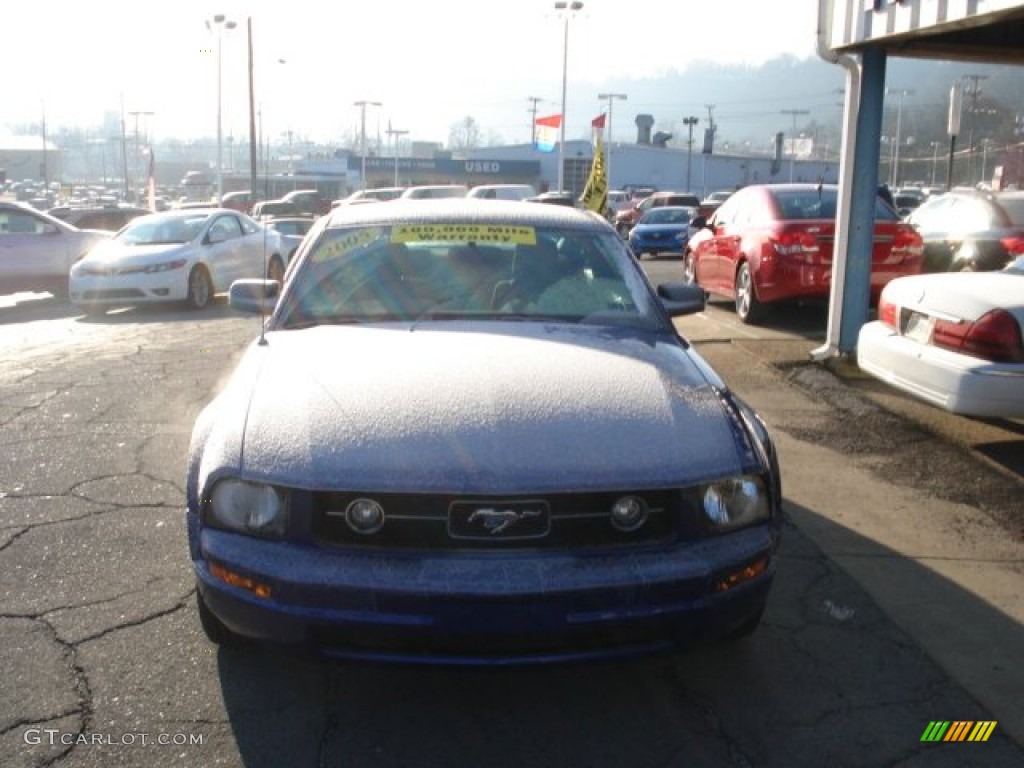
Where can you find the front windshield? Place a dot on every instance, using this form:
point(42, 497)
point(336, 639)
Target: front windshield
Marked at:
point(163, 230)
point(452, 271)
point(668, 216)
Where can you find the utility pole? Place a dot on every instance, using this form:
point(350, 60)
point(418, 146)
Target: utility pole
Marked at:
point(610, 97)
point(975, 92)
point(135, 161)
point(362, 136)
point(689, 122)
point(393, 134)
point(124, 152)
point(534, 100)
point(711, 119)
point(792, 139)
point(894, 177)
point(45, 167)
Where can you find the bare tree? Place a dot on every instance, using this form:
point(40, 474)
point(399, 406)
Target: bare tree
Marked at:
point(464, 135)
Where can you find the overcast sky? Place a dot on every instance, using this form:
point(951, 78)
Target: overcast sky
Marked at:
point(429, 62)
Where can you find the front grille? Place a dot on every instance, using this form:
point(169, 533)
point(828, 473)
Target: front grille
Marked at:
point(545, 521)
point(123, 293)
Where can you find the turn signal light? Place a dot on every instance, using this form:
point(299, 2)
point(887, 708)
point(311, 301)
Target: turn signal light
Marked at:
point(736, 578)
point(242, 582)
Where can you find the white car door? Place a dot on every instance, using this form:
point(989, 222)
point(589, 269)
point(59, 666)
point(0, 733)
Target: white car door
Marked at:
point(224, 251)
point(260, 242)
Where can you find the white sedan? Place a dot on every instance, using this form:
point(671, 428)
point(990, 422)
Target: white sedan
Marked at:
point(185, 255)
point(952, 339)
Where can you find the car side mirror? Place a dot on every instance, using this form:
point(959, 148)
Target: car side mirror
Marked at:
point(682, 298)
point(254, 295)
point(214, 236)
point(698, 222)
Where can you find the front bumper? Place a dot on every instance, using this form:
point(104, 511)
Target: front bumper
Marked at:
point(486, 607)
point(137, 288)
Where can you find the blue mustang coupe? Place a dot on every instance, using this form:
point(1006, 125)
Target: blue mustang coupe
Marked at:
point(470, 433)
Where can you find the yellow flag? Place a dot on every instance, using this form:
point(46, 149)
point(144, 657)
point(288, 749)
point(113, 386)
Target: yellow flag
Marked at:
point(595, 193)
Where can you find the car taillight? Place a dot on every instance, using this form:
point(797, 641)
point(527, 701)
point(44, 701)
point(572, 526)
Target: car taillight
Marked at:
point(888, 312)
point(907, 243)
point(796, 242)
point(1013, 245)
point(995, 336)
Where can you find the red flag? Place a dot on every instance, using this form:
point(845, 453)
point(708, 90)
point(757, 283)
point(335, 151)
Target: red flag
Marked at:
point(598, 122)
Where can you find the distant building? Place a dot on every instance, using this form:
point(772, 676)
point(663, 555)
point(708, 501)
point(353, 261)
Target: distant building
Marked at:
point(25, 157)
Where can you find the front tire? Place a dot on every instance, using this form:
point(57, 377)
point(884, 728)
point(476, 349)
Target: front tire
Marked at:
point(275, 270)
point(748, 308)
point(689, 268)
point(200, 288)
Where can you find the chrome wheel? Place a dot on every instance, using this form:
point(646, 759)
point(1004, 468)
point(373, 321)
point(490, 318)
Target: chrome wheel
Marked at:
point(748, 308)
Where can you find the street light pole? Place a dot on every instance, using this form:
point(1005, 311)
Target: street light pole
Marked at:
point(221, 22)
point(901, 92)
point(689, 122)
point(362, 136)
point(608, 162)
point(567, 8)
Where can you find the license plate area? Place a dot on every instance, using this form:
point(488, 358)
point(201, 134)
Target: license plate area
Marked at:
point(919, 328)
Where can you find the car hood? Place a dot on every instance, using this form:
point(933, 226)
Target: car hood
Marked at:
point(457, 410)
point(967, 295)
point(662, 227)
point(116, 252)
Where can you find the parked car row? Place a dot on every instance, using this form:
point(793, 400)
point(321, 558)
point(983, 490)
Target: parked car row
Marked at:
point(773, 242)
point(950, 339)
point(181, 255)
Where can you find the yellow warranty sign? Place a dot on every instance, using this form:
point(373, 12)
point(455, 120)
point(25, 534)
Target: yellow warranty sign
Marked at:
point(468, 233)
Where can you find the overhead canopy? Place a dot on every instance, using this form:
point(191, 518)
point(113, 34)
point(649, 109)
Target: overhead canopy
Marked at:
point(971, 30)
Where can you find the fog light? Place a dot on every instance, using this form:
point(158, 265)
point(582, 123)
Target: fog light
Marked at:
point(629, 513)
point(364, 516)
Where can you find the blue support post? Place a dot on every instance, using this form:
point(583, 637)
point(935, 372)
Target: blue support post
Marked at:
point(857, 292)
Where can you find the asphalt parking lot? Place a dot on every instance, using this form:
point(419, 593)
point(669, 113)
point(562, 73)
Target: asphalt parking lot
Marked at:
point(894, 606)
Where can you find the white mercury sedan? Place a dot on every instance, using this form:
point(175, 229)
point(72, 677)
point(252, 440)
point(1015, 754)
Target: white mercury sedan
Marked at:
point(182, 255)
point(952, 339)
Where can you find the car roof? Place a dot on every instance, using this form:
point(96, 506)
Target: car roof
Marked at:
point(511, 212)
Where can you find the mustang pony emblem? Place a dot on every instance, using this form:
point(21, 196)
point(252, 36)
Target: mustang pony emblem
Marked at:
point(497, 520)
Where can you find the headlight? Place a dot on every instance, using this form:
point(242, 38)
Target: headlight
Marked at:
point(736, 502)
point(163, 266)
point(252, 508)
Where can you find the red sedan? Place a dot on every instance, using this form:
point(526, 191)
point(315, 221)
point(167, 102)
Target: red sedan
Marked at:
point(773, 242)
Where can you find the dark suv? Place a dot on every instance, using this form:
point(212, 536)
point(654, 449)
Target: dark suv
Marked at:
point(626, 219)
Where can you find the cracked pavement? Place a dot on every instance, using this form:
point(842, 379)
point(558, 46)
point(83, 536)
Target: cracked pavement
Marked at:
point(101, 645)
